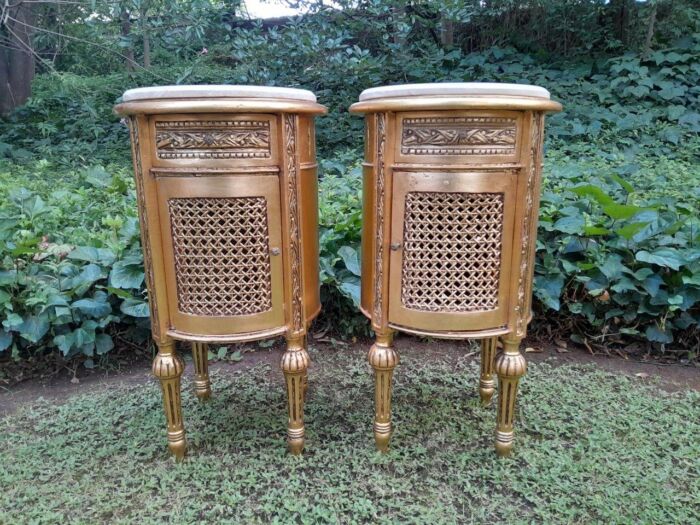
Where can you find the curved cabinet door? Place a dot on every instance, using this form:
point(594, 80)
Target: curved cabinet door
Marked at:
point(451, 243)
point(222, 246)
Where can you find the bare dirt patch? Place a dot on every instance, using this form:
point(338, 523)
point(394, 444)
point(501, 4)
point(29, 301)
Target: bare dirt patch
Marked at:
point(60, 386)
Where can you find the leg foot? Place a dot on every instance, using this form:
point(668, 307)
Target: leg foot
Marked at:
point(510, 367)
point(383, 359)
point(295, 363)
point(168, 368)
point(202, 384)
point(487, 383)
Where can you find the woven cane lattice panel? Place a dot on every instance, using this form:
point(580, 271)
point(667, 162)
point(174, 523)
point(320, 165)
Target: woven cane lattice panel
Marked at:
point(222, 259)
point(452, 251)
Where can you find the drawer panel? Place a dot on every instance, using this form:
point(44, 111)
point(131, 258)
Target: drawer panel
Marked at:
point(452, 137)
point(214, 140)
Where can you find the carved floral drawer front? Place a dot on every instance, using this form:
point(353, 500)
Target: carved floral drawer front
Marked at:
point(214, 139)
point(464, 138)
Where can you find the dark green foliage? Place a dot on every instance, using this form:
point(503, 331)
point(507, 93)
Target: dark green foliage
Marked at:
point(621, 196)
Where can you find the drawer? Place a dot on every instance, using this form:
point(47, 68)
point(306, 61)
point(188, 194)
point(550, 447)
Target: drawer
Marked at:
point(458, 137)
point(214, 140)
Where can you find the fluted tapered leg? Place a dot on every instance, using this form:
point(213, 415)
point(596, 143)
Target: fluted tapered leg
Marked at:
point(168, 368)
point(510, 367)
point(295, 363)
point(383, 359)
point(487, 382)
point(202, 384)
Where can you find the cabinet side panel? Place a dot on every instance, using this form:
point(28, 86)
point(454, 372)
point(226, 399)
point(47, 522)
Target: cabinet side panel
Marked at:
point(368, 217)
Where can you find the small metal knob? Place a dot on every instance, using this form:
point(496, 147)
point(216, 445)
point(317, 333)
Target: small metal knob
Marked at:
point(395, 246)
point(274, 251)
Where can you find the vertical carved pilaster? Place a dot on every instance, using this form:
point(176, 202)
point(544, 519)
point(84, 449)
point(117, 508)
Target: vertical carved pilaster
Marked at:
point(143, 222)
point(378, 313)
point(487, 384)
point(529, 226)
point(383, 359)
point(295, 363)
point(510, 367)
point(292, 161)
point(168, 368)
point(202, 384)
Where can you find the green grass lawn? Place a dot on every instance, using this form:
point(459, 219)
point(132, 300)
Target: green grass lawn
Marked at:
point(591, 447)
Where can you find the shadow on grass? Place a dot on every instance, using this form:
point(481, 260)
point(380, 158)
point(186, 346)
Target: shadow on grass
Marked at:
point(590, 447)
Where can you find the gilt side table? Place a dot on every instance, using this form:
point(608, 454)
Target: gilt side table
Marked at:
point(227, 200)
point(451, 196)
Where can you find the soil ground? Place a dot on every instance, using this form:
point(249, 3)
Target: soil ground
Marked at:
point(669, 377)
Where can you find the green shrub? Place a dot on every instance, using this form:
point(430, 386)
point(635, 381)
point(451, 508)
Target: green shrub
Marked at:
point(618, 242)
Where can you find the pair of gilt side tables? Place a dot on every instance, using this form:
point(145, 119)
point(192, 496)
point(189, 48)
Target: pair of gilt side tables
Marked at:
point(226, 181)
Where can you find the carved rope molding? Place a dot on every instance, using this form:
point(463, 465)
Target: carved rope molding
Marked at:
point(529, 231)
point(213, 139)
point(143, 221)
point(290, 144)
point(458, 136)
point(379, 240)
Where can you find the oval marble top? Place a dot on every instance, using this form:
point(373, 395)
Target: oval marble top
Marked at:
point(454, 88)
point(217, 91)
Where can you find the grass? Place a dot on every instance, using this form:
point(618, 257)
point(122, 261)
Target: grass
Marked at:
point(591, 447)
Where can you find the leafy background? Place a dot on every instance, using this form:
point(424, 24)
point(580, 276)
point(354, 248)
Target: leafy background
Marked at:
point(618, 250)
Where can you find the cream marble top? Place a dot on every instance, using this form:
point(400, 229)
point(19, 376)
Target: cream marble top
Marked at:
point(217, 91)
point(454, 88)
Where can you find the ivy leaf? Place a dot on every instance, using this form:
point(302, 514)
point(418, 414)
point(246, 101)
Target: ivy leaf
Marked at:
point(350, 258)
point(96, 307)
point(588, 190)
point(667, 257)
point(5, 340)
point(34, 327)
point(629, 230)
point(622, 211)
point(135, 308)
point(103, 343)
point(126, 274)
point(64, 342)
point(654, 333)
point(570, 224)
point(548, 289)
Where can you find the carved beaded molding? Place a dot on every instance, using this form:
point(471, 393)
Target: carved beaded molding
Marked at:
point(145, 237)
point(290, 130)
point(213, 139)
point(458, 136)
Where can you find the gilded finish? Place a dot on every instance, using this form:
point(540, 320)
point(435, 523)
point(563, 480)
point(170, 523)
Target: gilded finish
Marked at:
point(213, 139)
point(292, 169)
point(458, 136)
point(295, 363)
point(227, 198)
point(510, 366)
point(529, 232)
point(378, 317)
point(487, 384)
point(451, 190)
point(143, 221)
point(168, 368)
point(219, 241)
point(200, 357)
point(383, 359)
